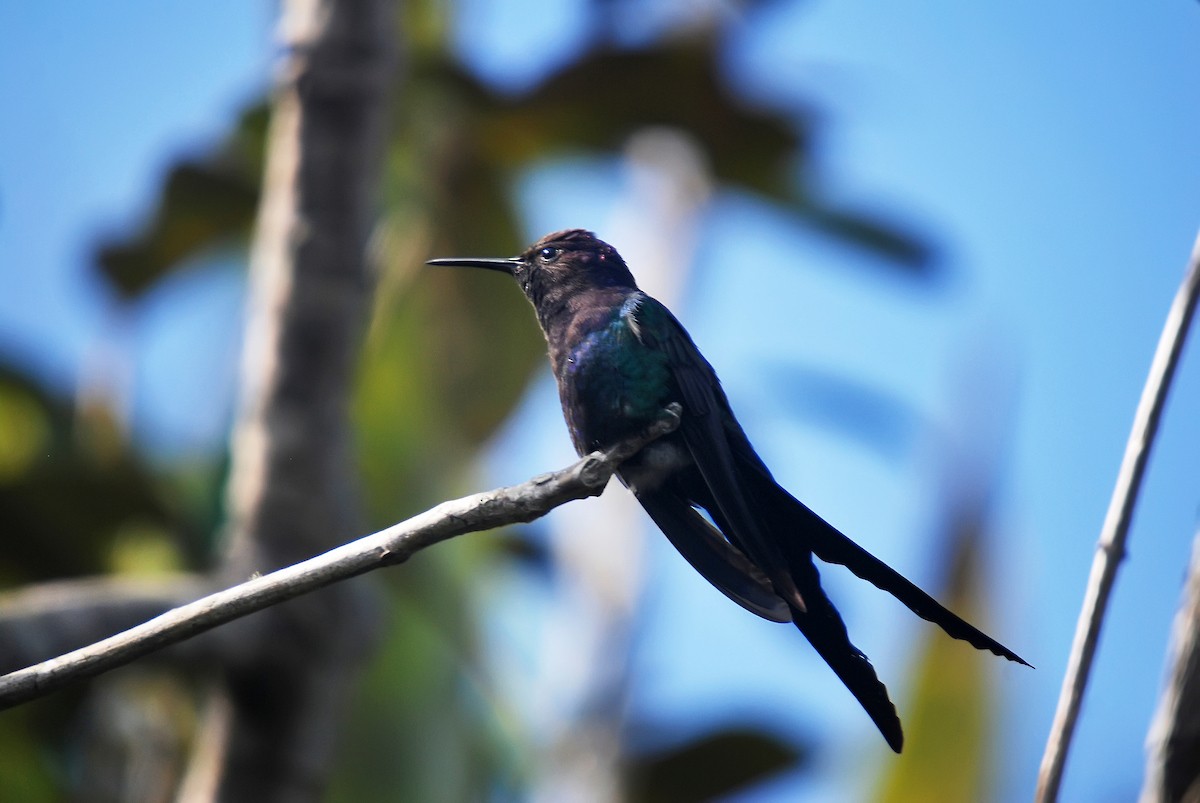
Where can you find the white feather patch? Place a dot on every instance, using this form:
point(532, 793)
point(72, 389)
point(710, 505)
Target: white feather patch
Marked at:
point(629, 312)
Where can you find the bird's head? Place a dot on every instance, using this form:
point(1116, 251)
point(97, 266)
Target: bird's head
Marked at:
point(558, 267)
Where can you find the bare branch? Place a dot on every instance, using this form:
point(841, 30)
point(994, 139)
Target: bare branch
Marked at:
point(1111, 546)
point(483, 511)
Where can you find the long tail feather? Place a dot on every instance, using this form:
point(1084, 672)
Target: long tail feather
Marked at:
point(790, 516)
point(823, 627)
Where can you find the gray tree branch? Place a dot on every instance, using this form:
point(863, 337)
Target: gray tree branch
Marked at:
point(1111, 547)
point(482, 511)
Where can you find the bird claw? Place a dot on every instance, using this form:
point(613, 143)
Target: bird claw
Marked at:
point(669, 418)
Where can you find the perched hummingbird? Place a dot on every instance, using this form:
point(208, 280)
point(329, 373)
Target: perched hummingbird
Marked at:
point(620, 357)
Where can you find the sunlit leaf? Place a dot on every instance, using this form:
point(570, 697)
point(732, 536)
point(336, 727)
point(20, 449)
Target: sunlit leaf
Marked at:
point(948, 711)
point(24, 430)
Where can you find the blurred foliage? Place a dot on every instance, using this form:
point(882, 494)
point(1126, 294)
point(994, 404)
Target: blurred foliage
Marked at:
point(27, 772)
point(425, 726)
point(70, 485)
point(716, 763)
point(74, 499)
point(445, 360)
point(202, 204)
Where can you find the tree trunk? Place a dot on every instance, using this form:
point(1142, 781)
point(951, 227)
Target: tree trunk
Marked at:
point(1173, 765)
point(272, 716)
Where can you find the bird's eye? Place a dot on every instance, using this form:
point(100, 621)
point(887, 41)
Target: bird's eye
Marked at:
point(549, 254)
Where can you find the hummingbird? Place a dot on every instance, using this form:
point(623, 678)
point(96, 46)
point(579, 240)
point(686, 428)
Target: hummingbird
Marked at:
point(619, 358)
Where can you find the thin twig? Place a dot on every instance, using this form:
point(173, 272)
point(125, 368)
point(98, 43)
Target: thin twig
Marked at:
point(1111, 546)
point(483, 511)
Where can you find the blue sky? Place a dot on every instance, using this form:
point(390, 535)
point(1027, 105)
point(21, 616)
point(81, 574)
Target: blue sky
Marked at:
point(101, 99)
point(1049, 150)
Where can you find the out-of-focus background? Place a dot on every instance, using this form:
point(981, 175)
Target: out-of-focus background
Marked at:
point(928, 248)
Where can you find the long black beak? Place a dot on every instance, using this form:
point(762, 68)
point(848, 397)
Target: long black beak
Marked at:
point(502, 265)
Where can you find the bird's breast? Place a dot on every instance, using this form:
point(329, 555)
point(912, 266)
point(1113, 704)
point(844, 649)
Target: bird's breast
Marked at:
point(611, 385)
